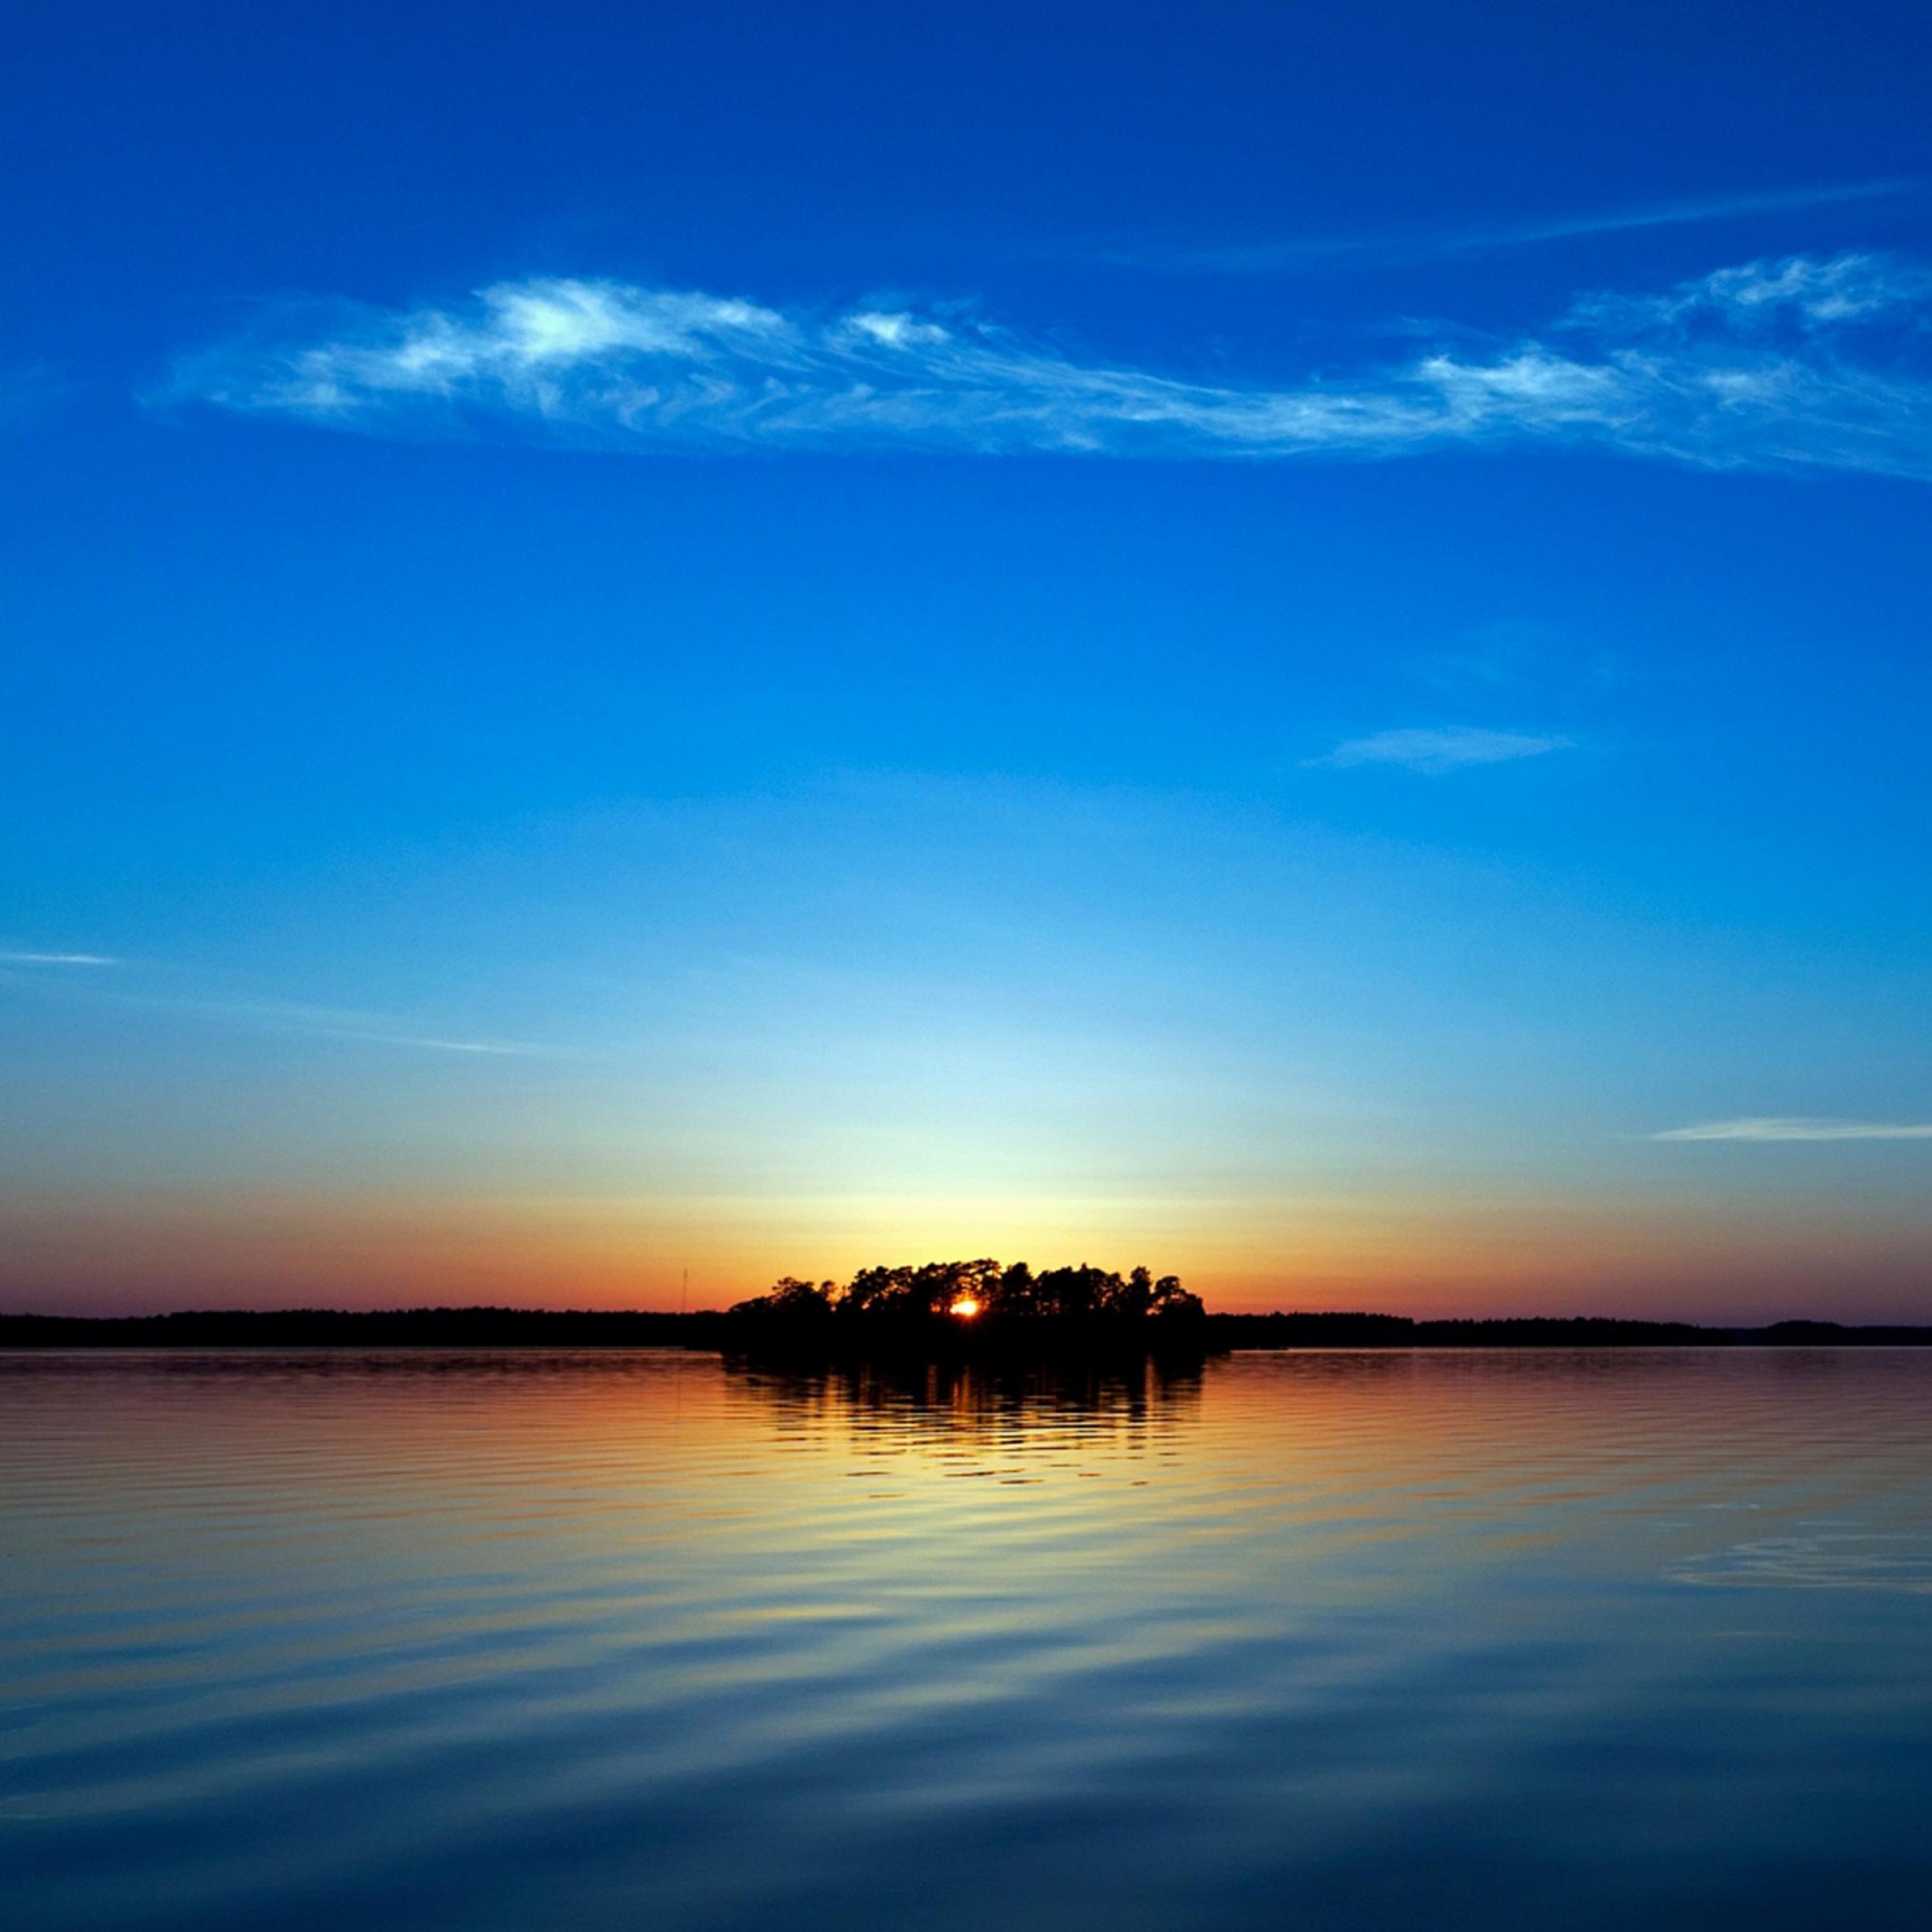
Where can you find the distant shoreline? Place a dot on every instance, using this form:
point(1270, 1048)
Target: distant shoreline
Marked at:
point(486, 1328)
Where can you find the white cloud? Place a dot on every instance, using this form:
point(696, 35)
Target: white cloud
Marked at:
point(1800, 363)
point(1781, 1127)
point(1345, 250)
point(517, 1047)
point(1817, 294)
point(272, 1015)
point(330, 1022)
point(1444, 749)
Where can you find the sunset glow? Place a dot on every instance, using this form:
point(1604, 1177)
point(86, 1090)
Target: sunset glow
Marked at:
point(966, 967)
point(1255, 656)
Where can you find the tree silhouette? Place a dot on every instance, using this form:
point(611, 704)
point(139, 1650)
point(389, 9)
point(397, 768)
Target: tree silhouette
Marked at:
point(980, 1290)
point(793, 1300)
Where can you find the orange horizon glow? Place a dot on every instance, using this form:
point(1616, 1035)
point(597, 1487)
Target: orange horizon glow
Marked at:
point(129, 1254)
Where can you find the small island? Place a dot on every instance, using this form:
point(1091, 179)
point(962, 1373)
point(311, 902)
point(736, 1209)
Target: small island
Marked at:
point(935, 1311)
point(979, 1308)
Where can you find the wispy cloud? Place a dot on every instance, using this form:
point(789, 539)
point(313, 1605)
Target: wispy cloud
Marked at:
point(1389, 249)
point(515, 1048)
point(262, 1015)
point(1781, 1127)
point(1812, 295)
point(332, 1023)
point(1434, 751)
point(1804, 363)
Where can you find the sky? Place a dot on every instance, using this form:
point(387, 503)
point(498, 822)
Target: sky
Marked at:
point(649, 647)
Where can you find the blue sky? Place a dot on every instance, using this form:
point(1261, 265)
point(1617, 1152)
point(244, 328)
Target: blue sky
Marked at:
point(752, 639)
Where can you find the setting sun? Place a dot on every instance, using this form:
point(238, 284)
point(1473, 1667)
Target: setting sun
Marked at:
point(965, 1308)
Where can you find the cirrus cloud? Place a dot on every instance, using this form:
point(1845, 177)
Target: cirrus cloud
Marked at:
point(1442, 749)
point(1788, 1127)
point(1806, 362)
point(1341, 251)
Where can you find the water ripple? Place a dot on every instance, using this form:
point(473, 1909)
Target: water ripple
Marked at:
point(502, 1641)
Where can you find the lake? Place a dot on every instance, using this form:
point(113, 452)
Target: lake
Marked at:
point(1318, 1640)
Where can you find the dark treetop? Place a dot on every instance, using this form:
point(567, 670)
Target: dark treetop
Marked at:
point(934, 1308)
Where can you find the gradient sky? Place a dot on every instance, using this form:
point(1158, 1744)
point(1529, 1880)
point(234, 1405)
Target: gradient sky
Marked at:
point(1288, 639)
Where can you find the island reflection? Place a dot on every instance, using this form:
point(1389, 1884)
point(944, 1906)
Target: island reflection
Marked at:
point(996, 1404)
point(1342, 1641)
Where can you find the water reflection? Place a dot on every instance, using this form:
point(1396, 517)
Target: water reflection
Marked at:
point(1004, 1409)
point(1342, 1641)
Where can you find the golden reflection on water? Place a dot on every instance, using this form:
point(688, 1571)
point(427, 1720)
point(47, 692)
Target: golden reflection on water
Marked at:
point(422, 1640)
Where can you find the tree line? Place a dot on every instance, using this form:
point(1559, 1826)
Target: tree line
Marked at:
point(983, 1290)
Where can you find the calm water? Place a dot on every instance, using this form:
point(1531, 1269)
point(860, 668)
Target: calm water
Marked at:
point(1319, 1641)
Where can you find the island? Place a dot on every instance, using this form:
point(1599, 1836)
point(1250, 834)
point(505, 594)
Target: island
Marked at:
point(938, 1310)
